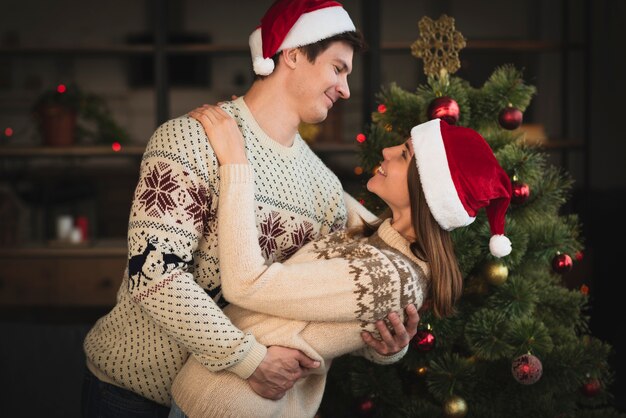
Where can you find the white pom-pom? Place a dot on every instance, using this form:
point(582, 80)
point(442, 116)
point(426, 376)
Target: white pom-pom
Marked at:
point(263, 66)
point(499, 246)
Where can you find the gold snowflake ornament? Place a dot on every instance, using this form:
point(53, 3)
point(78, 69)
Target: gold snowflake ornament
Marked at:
point(438, 45)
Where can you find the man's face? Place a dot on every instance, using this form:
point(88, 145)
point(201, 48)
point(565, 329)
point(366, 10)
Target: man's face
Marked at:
point(318, 85)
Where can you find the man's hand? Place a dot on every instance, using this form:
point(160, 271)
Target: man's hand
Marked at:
point(279, 371)
point(389, 343)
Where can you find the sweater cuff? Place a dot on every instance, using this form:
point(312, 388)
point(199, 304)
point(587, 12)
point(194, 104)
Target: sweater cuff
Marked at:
point(385, 360)
point(250, 362)
point(236, 173)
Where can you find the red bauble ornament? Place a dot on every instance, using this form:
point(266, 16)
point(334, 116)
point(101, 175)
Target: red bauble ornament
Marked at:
point(591, 388)
point(510, 118)
point(365, 407)
point(562, 263)
point(382, 108)
point(361, 138)
point(520, 192)
point(424, 340)
point(444, 108)
point(526, 369)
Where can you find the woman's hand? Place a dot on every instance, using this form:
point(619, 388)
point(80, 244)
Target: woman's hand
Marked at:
point(223, 132)
point(392, 343)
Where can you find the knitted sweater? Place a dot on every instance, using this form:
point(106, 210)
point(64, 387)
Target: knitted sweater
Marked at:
point(343, 286)
point(169, 303)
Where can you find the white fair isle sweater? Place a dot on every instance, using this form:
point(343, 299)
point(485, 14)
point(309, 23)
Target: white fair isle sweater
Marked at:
point(343, 286)
point(169, 303)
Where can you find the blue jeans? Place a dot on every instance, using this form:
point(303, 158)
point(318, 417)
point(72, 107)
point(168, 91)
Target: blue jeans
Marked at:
point(103, 400)
point(176, 412)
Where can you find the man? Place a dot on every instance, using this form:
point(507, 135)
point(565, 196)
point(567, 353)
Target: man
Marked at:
point(168, 306)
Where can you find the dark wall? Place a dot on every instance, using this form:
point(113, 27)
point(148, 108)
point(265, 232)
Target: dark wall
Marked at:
point(606, 202)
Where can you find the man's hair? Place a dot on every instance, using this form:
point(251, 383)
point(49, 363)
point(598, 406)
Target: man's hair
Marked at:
point(354, 39)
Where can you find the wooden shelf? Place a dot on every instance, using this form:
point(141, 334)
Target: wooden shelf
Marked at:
point(494, 45)
point(192, 49)
point(551, 144)
point(98, 50)
point(96, 249)
point(79, 50)
point(334, 147)
point(74, 151)
point(561, 144)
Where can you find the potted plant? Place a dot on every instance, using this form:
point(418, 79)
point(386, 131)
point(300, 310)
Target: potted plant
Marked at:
point(67, 114)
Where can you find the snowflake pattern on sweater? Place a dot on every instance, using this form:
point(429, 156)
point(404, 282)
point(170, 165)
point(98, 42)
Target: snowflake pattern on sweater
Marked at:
point(168, 306)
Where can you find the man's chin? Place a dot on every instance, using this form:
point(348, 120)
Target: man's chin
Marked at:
point(317, 118)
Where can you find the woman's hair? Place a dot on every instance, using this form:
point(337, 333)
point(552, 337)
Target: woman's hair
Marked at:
point(433, 245)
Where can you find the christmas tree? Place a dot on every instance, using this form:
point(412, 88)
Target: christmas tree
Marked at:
point(519, 344)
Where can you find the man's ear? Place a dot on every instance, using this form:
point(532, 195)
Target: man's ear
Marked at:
point(290, 56)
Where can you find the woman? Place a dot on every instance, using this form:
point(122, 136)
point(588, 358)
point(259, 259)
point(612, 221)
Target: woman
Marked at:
point(332, 289)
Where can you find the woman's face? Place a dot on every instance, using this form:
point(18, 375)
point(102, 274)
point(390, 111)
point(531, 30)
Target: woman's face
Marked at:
point(390, 180)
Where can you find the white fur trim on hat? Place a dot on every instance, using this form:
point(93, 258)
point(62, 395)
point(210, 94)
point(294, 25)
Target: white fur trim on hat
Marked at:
point(261, 66)
point(432, 164)
point(317, 25)
point(499, 246)
point(310, 27)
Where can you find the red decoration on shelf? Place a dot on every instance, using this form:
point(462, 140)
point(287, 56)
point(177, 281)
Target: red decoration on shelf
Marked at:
point(444, 108)
point(61, 88)
point(361, 138)
point(116, 146)
point(382, 108)
point(591, 388)
point(510, 118)
point(562, 263)
point(8, 132)
point(82, 223)
point(521, 192)
point(424, 340)
point(527, 369)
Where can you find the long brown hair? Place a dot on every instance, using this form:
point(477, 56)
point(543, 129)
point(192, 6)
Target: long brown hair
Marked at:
point(432, 244)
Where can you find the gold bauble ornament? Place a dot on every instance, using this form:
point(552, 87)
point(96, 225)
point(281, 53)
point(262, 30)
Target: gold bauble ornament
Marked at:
point(476, 285)
point(309, 132)
point(421, 371)
point(454, 407)
point(495, 272)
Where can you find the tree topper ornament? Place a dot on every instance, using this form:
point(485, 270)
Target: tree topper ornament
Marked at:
point(438, 45)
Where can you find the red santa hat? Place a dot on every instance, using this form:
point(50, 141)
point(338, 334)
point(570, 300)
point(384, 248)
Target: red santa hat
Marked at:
point(295, 23)
point(460, 175)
